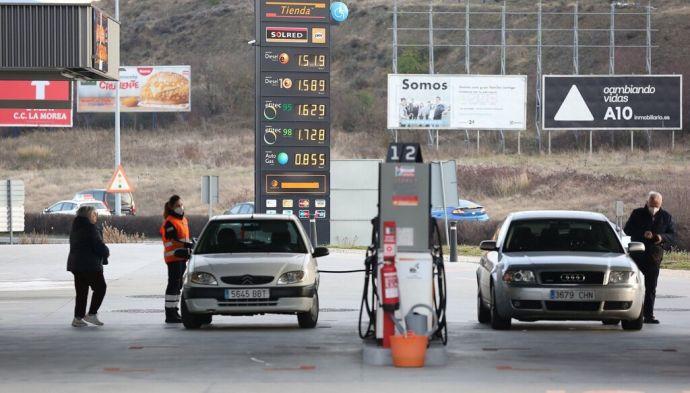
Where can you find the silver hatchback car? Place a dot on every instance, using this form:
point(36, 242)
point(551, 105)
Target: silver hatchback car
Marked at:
point(559, 265)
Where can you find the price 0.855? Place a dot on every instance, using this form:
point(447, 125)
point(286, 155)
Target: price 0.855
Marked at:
point(310, 159)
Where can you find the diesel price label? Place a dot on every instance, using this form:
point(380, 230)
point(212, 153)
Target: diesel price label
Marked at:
point(298, 84)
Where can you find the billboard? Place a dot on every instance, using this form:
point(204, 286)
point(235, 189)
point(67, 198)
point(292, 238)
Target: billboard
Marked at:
point(612, 102)
point(33, 103)
point(469, 102)
point(142, 89)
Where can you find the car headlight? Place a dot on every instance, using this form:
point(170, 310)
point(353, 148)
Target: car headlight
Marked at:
point(291, 277)
point(519, 276)
point(622, 278)
point(202, 278)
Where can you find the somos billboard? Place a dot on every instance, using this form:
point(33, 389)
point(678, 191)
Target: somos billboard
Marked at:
point(29, 103)
point(142, 89)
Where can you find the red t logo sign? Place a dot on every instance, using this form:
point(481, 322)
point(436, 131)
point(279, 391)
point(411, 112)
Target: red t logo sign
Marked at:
point(40, 89)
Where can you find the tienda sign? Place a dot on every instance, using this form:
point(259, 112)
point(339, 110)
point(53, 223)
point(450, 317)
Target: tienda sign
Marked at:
point(27, 103)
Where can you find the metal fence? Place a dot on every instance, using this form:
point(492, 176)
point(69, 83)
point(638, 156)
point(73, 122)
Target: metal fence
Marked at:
point(468, 26)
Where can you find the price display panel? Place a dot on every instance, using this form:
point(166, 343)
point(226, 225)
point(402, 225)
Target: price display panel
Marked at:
point(295, 10)
point(295, 158)
point(298, 84)
point(295, 59)
point(297, 109)
point(295, 134)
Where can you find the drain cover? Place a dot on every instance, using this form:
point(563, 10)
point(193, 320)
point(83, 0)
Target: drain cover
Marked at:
point(338, 309)
point(140, 310)
point(147, 296)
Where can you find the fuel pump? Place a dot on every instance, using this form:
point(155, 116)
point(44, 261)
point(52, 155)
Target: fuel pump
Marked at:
point(404, 270)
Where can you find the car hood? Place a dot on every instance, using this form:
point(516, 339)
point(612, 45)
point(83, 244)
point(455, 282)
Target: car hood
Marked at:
point(256, 264)
point(570, 260)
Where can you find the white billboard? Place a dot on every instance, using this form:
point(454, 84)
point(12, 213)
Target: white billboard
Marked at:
point(468, 102)
point(142, 89)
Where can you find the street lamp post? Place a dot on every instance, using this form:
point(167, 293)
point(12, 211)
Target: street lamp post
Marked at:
point(118, 196)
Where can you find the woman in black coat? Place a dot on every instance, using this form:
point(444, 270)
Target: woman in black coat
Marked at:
point(87, 255)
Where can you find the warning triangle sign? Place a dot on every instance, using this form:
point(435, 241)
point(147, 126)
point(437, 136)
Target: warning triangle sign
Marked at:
point(119, 182)
point(574, 108)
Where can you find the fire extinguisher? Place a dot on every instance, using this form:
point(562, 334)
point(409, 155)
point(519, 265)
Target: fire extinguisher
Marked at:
point(389, 288)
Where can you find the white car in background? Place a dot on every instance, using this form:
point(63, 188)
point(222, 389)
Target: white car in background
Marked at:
point(251, 264)
point(70, 207)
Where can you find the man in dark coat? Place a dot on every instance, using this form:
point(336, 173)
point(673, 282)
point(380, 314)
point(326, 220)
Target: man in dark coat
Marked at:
point(87, 254)
point(652, 226)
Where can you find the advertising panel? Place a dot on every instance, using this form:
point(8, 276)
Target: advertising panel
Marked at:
point(470, 102)
point(612, 102)
point(100, 40)
point(27, 103)
point(142, 89)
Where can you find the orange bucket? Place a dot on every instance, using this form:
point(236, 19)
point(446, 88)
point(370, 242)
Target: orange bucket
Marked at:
point(409, 351)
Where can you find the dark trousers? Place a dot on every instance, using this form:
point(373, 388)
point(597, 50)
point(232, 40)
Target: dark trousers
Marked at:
point(172, 291)
point(82, 282)
point(650, 264)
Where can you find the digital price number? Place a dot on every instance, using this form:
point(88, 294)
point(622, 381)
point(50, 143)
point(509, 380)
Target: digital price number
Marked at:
point(295, 59)
point(311, 110)
point(294, 84)
point(310, 160)
point(292, 158)
point(286, 134)
point(287, 109)
point(311, 61)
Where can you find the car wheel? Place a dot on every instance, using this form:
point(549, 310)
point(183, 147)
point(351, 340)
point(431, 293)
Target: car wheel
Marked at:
point(483, 313)
point(193, 321)
point(611, 322)
point(308, 320)
point(635, 324)
point(497, 321)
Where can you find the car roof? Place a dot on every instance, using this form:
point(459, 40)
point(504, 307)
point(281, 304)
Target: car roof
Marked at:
point(90, 190)
point(557, 214)
point(272, 217)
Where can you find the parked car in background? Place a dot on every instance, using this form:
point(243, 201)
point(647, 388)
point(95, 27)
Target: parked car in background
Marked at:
point(129, 207)
point(252, 265)
point(464, 211)
point(70, 207)
point(559, 265)
point(241, 208)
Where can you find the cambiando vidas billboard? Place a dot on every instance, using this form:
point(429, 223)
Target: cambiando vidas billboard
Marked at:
point(142, 89)
point(468, 102)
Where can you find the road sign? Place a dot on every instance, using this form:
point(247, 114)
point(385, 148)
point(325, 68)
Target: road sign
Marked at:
point(612, 102)
point(119, 182)
point(35, 103)
point(292, 152)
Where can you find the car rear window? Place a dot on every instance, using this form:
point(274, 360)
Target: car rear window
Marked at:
point(561, 235)
point(95, 205)
point(250, 236)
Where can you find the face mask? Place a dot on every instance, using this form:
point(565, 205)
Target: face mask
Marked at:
point(653, 210)
point(179, 211)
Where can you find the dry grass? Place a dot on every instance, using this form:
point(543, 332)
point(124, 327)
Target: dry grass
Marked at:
point(115, 235)
point(33, 237)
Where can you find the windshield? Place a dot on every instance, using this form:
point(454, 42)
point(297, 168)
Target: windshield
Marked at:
point(561, 235)
point(248, 236)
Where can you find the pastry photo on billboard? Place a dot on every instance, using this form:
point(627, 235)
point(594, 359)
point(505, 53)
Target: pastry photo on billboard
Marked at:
point(142, 89)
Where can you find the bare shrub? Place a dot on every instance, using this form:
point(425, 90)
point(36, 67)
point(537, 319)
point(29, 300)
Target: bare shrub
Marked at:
point(33, 237)
point(115, 235)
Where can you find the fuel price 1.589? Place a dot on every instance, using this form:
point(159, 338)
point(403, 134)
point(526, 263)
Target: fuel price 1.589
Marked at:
point(294, 84)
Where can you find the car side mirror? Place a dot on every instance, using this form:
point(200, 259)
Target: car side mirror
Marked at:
point(636, 247)
point(488, 245)
point(45, 210)
point(182, 253)
point(320, 252)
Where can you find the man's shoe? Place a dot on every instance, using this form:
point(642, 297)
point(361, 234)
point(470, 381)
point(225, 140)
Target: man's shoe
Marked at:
point(651, 320)
point(78, 322)
point(93, 319)
point(171, 316)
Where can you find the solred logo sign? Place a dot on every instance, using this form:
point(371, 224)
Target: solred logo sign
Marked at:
point(26, 103)
point(287, 34)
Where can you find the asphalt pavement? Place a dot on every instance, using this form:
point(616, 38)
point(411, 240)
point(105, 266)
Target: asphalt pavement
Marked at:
point(136, 351)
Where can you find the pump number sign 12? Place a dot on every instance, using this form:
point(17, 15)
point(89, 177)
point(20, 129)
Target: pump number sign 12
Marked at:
point(293, 110)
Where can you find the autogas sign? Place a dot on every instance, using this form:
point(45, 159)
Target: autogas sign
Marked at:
point(595, 102)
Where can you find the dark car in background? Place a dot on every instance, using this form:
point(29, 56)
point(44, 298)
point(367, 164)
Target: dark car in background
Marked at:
point(129, 207)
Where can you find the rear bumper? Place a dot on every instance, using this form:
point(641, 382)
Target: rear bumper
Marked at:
point(282, 300)
point(535, 303)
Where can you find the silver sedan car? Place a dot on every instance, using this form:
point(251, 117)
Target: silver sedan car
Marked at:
point(559, 265)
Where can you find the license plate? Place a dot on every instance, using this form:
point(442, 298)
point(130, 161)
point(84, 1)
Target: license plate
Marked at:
point(572, 295)
point(247, 293)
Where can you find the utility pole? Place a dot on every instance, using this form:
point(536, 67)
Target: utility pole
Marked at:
point(118, 196)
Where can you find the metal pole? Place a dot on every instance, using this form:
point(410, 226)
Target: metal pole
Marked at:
point(632, 141)
point(443, 201)
point(395, 49)
point(467, 55)
point(503, 63)
point(648, 58)
point(312, 232)
point(9, 210)
point(453, 242)
point(576, 49)
point(612, 55)
point(519, 151)
point(549, 141)
point(590, 142)
point(538, 81)
point(431, 66)
point(118, 196)
point(477, 142)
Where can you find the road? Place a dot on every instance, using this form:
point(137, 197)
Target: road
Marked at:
point(135, 351)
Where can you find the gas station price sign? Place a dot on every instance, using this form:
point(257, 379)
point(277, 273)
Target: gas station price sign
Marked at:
point(295, 84)
point(292, 123)
point(296, 59)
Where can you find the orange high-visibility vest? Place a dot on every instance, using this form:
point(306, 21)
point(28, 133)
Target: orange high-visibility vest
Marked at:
point(182, 227)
